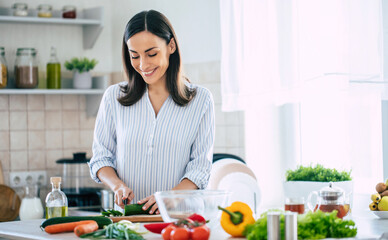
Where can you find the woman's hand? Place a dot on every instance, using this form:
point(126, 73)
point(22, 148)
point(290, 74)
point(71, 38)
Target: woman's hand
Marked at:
point(122, 192)
point(150, 201)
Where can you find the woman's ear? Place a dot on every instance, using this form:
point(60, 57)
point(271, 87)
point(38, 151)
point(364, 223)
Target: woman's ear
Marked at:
point(172, 46)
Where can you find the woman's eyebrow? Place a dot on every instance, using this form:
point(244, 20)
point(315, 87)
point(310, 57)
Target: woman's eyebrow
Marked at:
point(144, 51)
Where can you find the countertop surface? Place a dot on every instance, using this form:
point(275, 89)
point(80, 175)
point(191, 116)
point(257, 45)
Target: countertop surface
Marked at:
point(369, 227)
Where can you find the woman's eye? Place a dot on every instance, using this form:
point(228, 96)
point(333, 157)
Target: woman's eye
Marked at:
point(152, 55)
point(133, 57)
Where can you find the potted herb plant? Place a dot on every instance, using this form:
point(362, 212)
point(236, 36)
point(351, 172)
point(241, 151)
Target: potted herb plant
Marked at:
point(305, 179)
point(82, 79)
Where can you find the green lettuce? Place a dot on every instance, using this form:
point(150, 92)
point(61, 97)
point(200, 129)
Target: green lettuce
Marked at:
point(312, 225)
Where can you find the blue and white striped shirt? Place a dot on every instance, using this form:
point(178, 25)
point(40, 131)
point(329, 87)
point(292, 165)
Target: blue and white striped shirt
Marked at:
point(152, 153)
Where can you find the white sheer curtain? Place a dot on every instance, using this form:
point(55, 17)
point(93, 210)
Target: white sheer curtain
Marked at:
point(305, 73)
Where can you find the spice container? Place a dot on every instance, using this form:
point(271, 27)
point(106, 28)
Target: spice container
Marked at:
point(69, 11)
point(273, 226)
point(45, 10)
point(20, 9)
point(3, 69)
point(291, 226)
point(26, 68)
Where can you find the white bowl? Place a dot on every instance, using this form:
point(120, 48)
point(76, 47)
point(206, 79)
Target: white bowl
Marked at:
point(381, 214)
point(175, 205)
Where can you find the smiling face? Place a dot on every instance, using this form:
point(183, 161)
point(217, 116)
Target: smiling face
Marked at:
point(150, 56)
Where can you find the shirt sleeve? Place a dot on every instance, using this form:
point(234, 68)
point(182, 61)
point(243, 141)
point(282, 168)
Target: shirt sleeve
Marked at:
point(104, 141)
point(201, 158)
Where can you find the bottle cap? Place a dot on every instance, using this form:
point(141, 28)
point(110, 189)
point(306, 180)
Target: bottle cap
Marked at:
point(55, 180)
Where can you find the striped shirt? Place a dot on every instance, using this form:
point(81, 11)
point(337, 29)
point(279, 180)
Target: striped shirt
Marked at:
point(154, 153)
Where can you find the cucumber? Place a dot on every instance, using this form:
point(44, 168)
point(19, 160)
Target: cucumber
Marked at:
point(135, 209)
point(101, 221)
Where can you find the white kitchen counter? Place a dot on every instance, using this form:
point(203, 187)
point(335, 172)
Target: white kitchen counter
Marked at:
point(369, 227)
point(29, 229)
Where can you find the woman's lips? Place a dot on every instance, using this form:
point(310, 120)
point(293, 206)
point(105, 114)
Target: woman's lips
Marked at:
point(149, 73)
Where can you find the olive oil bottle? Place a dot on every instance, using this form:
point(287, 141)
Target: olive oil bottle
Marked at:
point(56, 200)
point(53, 71)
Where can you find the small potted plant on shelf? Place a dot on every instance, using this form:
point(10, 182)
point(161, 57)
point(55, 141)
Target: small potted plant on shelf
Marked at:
point(82, 79)
point(305, 179)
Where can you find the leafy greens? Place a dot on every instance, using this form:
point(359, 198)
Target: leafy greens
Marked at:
point(312, 225)
point(317, 173)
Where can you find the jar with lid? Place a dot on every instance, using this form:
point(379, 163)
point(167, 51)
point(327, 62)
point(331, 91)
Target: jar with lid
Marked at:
point(3, 68)
point(26, 68)
point(69, 11)
point(20, 9)
point(45, 10)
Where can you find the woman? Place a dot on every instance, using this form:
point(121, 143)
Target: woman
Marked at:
point(156, 131)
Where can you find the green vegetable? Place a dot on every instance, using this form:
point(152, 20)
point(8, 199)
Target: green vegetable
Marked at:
point(101, 221)
point(312, 225)
point(80, 64)
point(119, 230)
point(111, 212)
point(135, 209)
point(317, 173)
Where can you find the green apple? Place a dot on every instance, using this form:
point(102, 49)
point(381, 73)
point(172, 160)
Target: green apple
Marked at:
point(383, 204)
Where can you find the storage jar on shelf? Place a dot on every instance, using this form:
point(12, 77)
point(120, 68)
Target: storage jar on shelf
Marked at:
point(20, 9)
point(3, 68)
point(45, 10)
point(26, 68)
point(69, 11)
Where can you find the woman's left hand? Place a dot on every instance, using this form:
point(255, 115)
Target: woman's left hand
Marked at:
point(150, 201)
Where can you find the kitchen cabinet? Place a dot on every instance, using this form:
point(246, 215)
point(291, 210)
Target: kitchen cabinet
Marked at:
point(91, 21)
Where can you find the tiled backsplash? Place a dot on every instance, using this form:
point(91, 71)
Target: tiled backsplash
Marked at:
point(37, 130)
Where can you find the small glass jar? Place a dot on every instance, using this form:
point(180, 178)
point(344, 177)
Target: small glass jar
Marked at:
point(26, 68)
point(45, 10)
point(3, 69)
point(20, 9)
point(69, 11)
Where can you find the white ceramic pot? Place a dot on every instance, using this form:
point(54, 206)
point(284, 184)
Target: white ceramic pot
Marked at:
point(82, 80)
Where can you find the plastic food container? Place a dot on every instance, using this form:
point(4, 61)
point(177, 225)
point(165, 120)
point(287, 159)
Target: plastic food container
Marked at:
point(69, 11)
point(45, 10)
point(20, 9)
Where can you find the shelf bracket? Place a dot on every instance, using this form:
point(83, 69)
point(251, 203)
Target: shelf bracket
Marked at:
point(91, 32)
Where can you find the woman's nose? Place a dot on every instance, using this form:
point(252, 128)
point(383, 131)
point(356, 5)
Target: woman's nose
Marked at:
point(143, 64)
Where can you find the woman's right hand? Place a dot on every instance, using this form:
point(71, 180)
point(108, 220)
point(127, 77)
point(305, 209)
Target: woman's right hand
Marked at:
point(122, 192)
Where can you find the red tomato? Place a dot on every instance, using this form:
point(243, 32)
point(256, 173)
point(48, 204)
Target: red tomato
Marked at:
point(166, 232)
point(180, 234)
point(200, 233)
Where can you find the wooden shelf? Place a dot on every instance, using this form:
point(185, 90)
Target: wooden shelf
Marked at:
point(91, 21)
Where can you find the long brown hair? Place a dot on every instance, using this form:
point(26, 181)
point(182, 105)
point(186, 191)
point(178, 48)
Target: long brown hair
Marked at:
point(157, 24)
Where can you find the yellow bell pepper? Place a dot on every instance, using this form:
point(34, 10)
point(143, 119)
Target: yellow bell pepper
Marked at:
point(235, 217)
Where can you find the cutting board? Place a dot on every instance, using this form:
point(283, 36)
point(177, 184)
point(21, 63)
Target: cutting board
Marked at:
point(139, 218)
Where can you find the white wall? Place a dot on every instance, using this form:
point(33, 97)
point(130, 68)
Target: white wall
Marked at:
point(196, 24)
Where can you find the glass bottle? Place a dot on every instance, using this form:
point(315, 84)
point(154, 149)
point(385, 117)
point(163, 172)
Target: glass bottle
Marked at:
point(31, 206)
point(26, 68)
point(56, 200)
point(3, 69)
point(53, 71)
